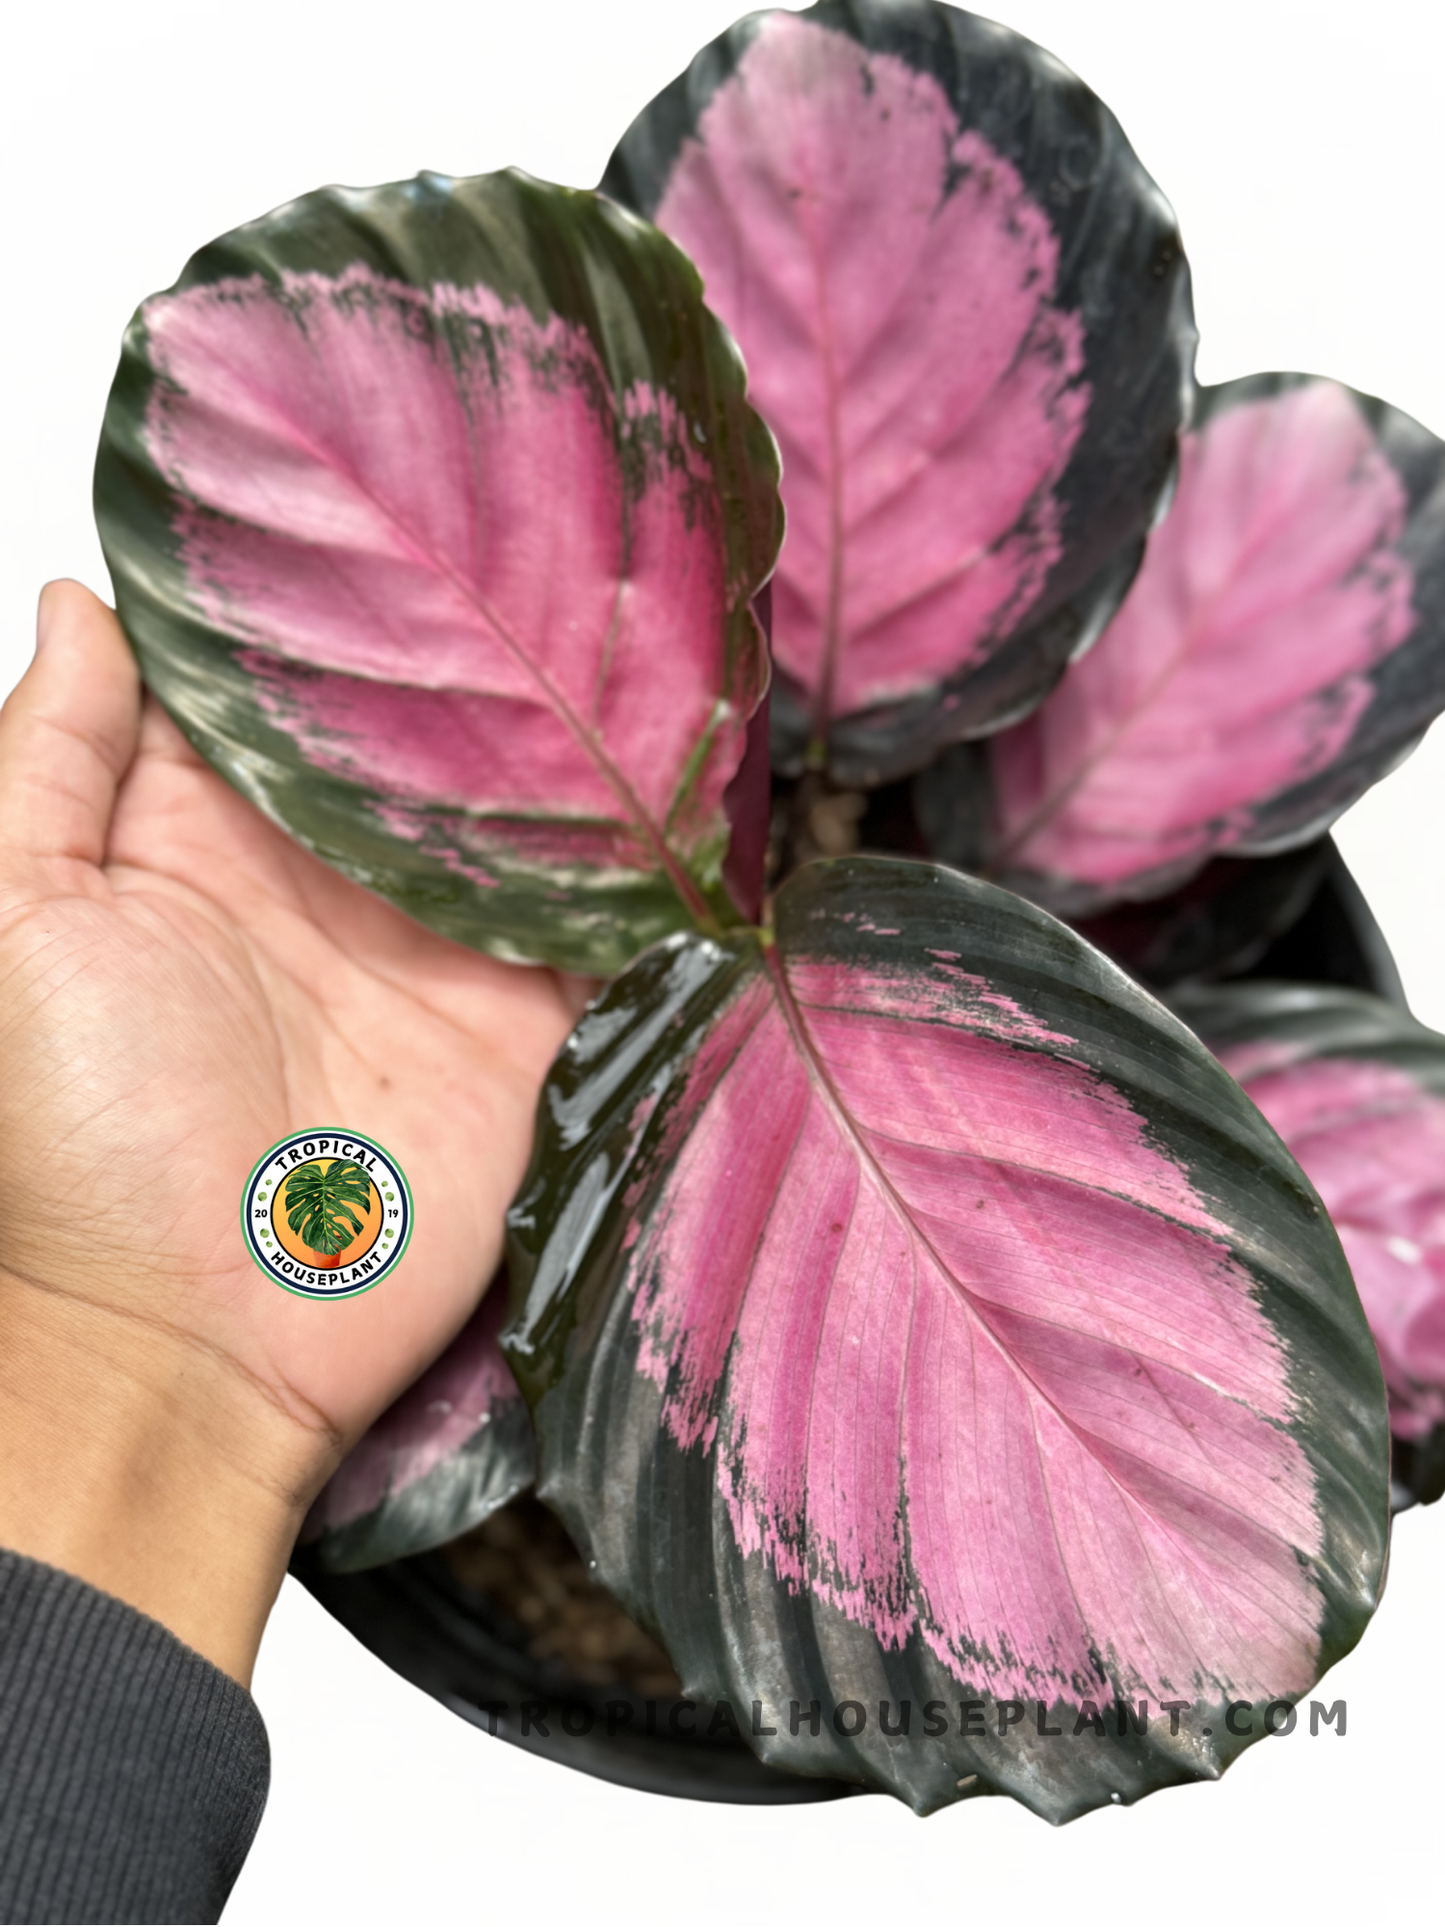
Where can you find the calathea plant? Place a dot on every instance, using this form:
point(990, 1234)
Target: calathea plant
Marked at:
point(911, 1310)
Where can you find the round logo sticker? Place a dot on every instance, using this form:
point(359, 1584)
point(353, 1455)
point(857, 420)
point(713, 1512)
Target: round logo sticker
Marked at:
point(327, 1213)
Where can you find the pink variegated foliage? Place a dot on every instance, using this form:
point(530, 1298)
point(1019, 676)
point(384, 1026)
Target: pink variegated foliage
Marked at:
point(457, 568)
point(909, 1308)
point(953, 1296)
point(1279, 649)
point(1373, 1145)
point(895, 276)
point(453, 1449)
point(884, 239)
point(422, 607)
point(1356, 1089)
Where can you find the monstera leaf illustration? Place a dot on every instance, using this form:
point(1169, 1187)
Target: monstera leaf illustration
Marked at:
point(1356, 1088)
point(965, 314)
point(912, 1311)
point(322, 1201)
point(1283, 646)
point(435, 513)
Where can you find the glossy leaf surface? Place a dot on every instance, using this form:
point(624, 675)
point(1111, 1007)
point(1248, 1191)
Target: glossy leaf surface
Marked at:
point(434, 512)
point(455, 1447)
point(965, 316)
point(1356, 1088)
point(1282, 647)
point(911, 1310)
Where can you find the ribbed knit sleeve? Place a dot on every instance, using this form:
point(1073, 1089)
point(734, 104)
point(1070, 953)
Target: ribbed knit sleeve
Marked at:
point(132, 1771)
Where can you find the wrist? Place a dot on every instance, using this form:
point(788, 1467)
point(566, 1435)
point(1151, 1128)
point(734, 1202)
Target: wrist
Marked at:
point(147, 1463)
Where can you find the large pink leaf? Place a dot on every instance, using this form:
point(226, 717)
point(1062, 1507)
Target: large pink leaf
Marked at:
point(889, 246)
point(1280, 648)
point(1356, 1088)
point(452, 1450)
point(962, 1328)
point(464, 511)
point(922, 518)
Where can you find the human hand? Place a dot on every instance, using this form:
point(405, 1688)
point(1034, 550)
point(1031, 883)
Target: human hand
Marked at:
point(180, 986)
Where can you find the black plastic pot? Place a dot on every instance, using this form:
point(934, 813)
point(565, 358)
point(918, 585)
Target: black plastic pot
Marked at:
point(459, 1646)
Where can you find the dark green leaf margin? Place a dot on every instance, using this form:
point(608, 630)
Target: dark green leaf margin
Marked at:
point(555, 251)
point(651, 1516)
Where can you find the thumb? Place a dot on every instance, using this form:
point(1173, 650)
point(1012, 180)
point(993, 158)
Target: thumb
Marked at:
point(68, 733)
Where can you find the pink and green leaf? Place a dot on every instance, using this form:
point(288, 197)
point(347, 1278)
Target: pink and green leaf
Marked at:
point(1356, 1089)
point(912, 1310)
point(452, 1450)
point(1282, 647)
point(435, 513)
point(965, 315)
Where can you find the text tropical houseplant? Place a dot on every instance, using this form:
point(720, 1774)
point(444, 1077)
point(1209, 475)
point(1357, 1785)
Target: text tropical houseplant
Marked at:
point(910, 1308)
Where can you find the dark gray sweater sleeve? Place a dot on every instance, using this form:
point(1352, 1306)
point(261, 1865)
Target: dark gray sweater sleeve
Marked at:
point(132, 1771)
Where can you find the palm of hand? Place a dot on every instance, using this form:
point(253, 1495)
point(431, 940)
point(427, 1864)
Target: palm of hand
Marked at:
point(202, 990)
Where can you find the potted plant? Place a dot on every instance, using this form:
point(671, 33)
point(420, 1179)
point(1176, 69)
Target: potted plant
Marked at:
point(926, 1340)
point(322, 1200)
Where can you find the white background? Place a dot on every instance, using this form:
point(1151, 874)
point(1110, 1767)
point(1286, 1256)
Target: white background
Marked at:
point(1302, 147)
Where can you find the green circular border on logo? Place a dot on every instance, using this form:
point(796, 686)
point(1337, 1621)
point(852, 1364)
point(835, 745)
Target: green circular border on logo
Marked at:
point(284, 1143)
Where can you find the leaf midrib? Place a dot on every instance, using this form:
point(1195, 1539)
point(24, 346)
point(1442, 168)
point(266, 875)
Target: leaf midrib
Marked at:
point(821, 1080)
point(840, 530)
point(652, 835)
